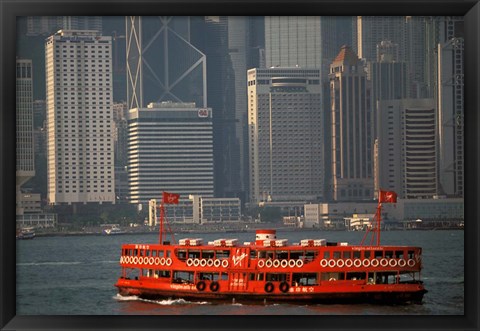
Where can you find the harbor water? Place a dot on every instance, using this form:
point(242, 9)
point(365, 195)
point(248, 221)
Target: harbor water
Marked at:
point(75, 275)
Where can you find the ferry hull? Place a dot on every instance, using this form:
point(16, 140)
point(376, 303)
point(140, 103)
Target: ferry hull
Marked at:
point(373, 295)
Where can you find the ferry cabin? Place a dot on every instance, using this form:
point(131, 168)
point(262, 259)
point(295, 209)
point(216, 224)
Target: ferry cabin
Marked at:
point(258, 269)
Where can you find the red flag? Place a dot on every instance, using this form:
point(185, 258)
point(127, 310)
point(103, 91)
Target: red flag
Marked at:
point(387, 196)
point(171, 198)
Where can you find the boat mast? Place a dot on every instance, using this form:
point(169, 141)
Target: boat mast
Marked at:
point(162, 211)
point(170, 198)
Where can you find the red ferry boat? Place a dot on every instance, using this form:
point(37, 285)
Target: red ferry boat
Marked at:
point(272, 269)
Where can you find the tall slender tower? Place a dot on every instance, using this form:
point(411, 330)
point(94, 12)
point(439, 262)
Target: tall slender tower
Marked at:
point(352, 144)
point(24, 131)
point(162, 64)
point(286, 135)
point(80, 158)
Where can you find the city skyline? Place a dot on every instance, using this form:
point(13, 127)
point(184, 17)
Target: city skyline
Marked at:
point(239, 144)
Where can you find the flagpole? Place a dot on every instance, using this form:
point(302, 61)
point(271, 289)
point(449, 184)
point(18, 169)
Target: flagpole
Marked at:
point(161, 219)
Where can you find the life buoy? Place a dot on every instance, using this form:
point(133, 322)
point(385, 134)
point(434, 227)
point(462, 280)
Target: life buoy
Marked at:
point(210, 263)
point(168, 261)
point(323, 263)
point(196, 262)
point(189, 262)
point(410, 262)
point(269, 287)
point(357, 263)
point(392, 263)
point(291, 263)
point(140, 260)
point(284, 263)
point(201, 285)
point(332, 263)
point(268, 263)
point(217, 263)
point(284, 287)
point(366, 262)
point(162, 261)
point(157, 260)
point(375, 263)
point(261, 263)
point(225, 263)
point(340, 263)
point(151, 260)
point(348, 263)
point(135, 260)
point(214, 286)
point(299, 263)
point(203, 262)
point(121, 259)
point(402, 263)
point(276, 263)
point(383, 262)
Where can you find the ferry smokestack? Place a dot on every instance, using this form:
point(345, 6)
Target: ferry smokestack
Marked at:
point(261, 235)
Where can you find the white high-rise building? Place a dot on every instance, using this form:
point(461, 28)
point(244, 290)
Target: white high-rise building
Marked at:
point(80, 153)
point(286, 131)
point(170, 148)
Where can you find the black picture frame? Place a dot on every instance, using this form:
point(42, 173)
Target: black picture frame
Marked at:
point(10, 9)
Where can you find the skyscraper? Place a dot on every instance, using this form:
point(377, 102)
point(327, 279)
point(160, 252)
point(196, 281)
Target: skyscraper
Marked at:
point(352, 142)
point(162, 63)
point(286, 135)
point(170, 148)
point(25, 167)
point(79, 117)
point(407, 152)
point(450, 105)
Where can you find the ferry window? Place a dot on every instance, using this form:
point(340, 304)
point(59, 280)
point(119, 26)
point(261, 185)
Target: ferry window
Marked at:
point(411, 254)
point(223, 254)
point(283, 255)
point(163, 273)
point(169, 253)
point(253, 254)
point(135, 252)
point(205, 275)
point(147, 252)
point(389, 254)
point(399, 254)
point(347, 254)
point(366, 254)
point(183, 277)
point(193, 254)
point(182, 254)
point(251, 276)
point(275, 277)
point(262, 254)
point(326, 255)
point(208, 254)
point(270, 254)
point(304, 279)
point(356, 276)
point(260, 276)
point(140, 252)
point(224, 276)
point(310, 255)
point(378, 254)
point(356, 254)
point(296, 254)
point(154, 253)
point(160, 253)
point(337, 255)
point(332, 276)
